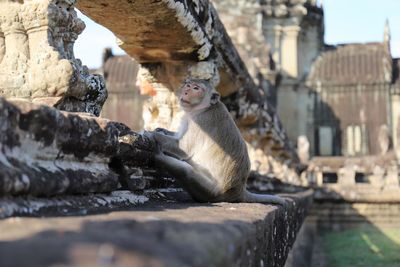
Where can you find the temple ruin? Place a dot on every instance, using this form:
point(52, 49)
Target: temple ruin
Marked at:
point(59, 159)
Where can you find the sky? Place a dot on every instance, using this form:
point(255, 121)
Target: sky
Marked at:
point(346, 21)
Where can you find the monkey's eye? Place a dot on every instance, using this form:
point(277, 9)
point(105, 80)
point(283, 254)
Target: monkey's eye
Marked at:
point(196, 88)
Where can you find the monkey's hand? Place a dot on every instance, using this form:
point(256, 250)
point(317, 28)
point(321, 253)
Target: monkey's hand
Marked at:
point(149, 135)
point(152, 138)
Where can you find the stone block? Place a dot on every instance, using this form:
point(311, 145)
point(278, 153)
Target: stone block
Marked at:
point(44, 151)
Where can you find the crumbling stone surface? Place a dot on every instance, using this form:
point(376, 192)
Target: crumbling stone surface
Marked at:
point(44, 151)
point(163, 233)
point(68, 205)
point(37, 60)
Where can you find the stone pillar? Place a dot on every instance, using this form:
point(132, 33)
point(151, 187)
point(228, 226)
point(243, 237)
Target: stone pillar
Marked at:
point(39, 63)
point(16, 53)
point(395, 105)
point(48, 74)
point(289, 59)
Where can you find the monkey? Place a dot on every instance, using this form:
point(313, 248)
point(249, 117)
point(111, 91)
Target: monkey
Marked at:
point(207, 155)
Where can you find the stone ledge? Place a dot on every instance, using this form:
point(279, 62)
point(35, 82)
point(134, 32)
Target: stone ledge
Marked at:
point(68, 205)
point(159, 234)
point(46, 152)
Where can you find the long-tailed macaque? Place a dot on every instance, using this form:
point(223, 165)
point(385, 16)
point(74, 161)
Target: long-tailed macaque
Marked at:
point(208, 155)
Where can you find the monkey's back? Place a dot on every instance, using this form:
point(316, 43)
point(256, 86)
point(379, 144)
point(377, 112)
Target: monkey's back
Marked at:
point(214, 142)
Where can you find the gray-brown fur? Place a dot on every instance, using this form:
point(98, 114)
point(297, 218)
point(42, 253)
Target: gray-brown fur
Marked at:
point(208, 154)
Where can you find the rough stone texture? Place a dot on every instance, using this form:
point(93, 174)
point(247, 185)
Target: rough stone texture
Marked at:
point(79, 205)
point(48, 152)
point(301, 254)
point(159, 234)
point(155, 27)
point(36, 47)
point(243, 22)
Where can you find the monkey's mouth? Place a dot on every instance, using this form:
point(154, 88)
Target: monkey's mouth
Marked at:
point(183, 101)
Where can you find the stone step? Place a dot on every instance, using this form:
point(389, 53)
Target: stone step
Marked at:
point(158, 233)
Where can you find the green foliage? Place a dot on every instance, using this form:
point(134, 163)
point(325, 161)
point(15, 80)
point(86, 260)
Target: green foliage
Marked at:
point(366, 246)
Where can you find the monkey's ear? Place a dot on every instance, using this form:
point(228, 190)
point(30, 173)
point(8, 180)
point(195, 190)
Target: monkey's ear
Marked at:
point(214, 98)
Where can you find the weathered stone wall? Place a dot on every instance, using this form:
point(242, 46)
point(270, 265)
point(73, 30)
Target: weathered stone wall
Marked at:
point(46, 152)
point(37, 59)
point(243, 22)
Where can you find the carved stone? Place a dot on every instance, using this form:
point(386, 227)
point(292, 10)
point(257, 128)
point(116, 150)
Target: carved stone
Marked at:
point(39, 63)
point(15, 60)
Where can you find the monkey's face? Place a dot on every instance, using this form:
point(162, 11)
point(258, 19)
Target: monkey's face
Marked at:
point(192, 95)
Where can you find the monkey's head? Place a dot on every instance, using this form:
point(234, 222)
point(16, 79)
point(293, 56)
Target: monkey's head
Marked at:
point(197, 94)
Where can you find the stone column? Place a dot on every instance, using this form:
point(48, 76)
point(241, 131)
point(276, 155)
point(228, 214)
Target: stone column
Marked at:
point(48, 74)
point(395, 105)
point(289, 59)
point(54, 76)
point(14, 63)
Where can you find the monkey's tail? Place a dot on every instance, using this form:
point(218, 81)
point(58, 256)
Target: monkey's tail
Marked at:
point(262, 198)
